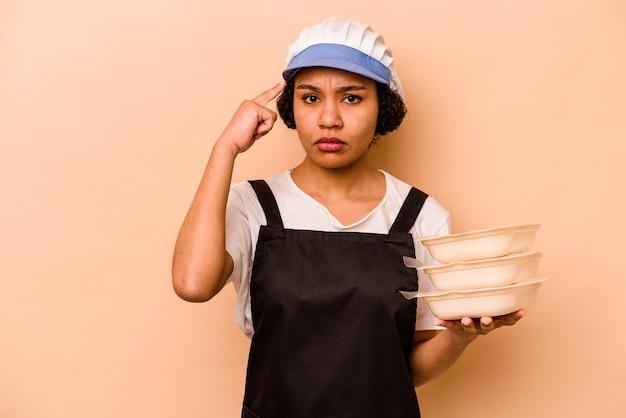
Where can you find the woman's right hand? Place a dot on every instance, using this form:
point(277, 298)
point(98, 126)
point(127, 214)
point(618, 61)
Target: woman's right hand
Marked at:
point(201, 264)
point(252, 120)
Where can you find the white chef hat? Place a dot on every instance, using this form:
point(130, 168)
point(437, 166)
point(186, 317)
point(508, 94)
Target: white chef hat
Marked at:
point(346, 45)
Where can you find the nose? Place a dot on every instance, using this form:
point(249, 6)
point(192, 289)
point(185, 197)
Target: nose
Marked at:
point(330, 115)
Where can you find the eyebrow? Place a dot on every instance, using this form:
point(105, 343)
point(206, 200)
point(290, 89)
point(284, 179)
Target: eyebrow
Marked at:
point(343, 89)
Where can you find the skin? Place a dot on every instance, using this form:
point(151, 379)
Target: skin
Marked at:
point(337, 106)
point(335, 113)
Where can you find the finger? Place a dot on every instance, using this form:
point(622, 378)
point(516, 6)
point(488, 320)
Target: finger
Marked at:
point(449, 324)
point(467, 322)
point(266, 122)
point(262, 130)
point(509, 319)
point(468, 325)
point(268, 95)
point(486, 321)
point(486, 324)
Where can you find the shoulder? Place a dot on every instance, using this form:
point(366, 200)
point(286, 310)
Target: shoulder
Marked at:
point(244, 193)
point(433, 219)
point(243, 198)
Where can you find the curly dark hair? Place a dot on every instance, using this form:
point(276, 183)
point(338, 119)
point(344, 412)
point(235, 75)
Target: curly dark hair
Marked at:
point(391, 109)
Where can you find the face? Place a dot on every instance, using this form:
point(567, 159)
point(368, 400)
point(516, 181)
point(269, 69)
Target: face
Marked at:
point(335, 113)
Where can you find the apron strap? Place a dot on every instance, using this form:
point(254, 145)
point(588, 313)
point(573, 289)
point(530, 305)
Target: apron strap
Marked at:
point(408, 212)
point(268, 203)
point(404, 221)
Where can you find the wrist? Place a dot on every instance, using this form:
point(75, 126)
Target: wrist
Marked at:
point(226, 148)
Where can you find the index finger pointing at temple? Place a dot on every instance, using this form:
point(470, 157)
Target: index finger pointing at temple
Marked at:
point(268, 95)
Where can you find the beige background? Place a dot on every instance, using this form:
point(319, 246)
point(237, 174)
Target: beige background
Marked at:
point(108, 110)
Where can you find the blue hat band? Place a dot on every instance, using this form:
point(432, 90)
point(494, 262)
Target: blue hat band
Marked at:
point(341, 57)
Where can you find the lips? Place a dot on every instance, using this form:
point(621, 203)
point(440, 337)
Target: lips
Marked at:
point(329, 144)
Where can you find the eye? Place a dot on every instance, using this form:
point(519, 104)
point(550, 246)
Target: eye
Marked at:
point(352, 99)
point(310, 98)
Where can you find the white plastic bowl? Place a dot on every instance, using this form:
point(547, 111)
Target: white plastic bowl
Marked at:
point(482, 243)
point(491, 272)
point(495, 301)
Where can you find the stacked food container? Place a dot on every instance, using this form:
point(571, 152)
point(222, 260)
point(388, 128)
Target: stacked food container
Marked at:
point(488, 272)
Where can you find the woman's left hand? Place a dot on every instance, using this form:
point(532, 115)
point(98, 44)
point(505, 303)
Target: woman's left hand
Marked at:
point(481, 326)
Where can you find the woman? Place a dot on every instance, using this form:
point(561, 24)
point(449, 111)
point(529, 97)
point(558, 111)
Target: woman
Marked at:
point(316, 253)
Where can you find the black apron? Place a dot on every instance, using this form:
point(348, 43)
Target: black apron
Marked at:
point(332, 333)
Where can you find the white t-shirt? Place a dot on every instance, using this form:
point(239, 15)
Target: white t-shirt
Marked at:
point(298, 210)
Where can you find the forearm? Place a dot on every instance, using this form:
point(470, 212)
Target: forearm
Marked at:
point(434, 356)
point(200, 265)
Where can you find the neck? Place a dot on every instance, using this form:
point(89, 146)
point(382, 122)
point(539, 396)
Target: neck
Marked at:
point(362, 181)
